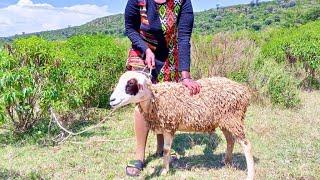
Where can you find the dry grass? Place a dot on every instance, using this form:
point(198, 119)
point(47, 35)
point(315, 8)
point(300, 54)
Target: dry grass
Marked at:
point(286, 146)
point(221, 54)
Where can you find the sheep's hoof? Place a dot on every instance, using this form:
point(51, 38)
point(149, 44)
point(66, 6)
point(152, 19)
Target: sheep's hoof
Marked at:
point(163, 172)
point(228, 163)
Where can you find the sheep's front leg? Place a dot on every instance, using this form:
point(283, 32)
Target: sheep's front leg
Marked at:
point(168, 139)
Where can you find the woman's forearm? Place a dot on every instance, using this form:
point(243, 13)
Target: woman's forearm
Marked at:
point(185, 27)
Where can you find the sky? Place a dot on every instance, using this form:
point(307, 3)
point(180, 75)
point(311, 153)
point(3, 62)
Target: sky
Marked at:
point(18, 16)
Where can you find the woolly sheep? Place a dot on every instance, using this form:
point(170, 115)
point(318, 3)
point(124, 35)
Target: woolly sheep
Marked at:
point(168, 107)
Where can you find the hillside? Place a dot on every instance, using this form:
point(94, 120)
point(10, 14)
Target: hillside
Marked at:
point(252, 16)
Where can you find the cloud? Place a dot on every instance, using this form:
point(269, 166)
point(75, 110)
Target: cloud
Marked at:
point(26, 16)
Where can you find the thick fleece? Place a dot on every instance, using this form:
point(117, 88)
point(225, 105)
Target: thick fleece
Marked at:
point(221, 103)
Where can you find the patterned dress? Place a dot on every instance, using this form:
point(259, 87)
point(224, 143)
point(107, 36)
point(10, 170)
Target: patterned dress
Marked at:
point(168, 14)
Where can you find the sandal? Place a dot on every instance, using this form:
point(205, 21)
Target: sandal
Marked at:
point(137, 164)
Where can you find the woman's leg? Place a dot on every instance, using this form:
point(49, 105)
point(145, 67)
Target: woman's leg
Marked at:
point(141, 130)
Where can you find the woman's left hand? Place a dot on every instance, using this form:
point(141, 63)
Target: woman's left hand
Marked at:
point(192, 85)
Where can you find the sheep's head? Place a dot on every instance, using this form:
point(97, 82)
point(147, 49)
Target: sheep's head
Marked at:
point(131, 88)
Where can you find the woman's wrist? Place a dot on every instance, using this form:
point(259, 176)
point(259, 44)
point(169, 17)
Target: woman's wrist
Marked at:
point(148, 50)
point(185, 75)
point(183, 79)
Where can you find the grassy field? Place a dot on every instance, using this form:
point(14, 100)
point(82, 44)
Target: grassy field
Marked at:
point(286, 145)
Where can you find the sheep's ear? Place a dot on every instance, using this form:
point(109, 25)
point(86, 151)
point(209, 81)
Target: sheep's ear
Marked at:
point(132, 87)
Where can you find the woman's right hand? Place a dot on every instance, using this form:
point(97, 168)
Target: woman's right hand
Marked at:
point(150, 59)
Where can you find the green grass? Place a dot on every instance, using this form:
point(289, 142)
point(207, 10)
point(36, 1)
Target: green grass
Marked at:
point(286, 145)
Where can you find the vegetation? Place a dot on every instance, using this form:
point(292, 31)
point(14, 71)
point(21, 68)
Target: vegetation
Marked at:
point(36, 75)
point(272, 47)
point(79, 73)
point(298, 48)
point(286, 145)
point(256, 16)
point(238, 57)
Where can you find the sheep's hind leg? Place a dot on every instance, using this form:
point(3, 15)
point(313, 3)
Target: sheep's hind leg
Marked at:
point(246, 145)
point(230, 144)
point(168, 138)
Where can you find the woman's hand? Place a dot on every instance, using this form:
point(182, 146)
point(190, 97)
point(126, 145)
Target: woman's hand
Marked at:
point(192, 85)
point(150, 59)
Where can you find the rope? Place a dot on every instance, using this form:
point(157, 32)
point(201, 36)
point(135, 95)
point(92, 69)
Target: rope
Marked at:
point(70, 133)
point(149, 74)
point(55, 119)
point(101, 141)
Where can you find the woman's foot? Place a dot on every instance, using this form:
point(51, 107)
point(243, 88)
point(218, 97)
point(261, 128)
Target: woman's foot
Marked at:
point(134, 168)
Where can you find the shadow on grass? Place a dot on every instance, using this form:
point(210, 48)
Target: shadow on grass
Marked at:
point(42, 135)
point(208, 160)
point(11, 174)
point(36, 135)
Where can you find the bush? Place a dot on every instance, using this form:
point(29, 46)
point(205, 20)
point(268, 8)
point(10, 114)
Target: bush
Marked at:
point(239, 76)
point(312, 14)
point(94, 64)
point(256, 26)
point(272, 80)
point(297, 47)
point(277, 18)
point(23, 78)
point(268, 21)
point(76, 74)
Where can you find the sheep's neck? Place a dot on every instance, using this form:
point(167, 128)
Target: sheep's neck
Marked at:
point(146, 106)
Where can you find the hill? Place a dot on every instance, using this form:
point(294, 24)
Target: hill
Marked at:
point(251, 16)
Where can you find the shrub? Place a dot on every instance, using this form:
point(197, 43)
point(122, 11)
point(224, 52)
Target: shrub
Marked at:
point(256, 26)
point(272, 80)
point(239, 76)
point(94, 64)
point(312, 14)
point(76, 74)
point(297, 47)
point(268, 21)
point(23, 78)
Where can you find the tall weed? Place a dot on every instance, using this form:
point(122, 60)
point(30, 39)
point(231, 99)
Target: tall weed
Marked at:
point(237, 56)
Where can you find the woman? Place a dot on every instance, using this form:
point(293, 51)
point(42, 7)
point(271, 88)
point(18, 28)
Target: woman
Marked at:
point(160, 32)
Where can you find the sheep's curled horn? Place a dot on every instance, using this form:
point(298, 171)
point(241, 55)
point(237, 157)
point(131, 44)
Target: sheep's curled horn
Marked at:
point(132, 87)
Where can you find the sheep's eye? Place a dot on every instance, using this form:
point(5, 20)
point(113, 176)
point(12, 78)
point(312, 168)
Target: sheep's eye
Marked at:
point(132, 87)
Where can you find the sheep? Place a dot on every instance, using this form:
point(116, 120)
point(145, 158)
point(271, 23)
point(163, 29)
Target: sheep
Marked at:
point(168, 107)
